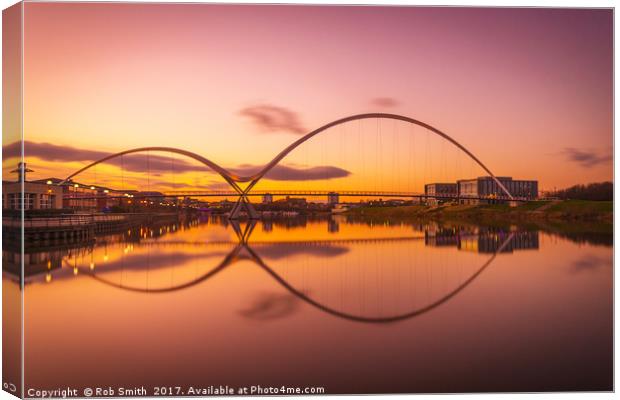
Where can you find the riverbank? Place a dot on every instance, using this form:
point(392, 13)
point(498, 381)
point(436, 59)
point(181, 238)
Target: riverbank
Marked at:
point(597, 214)
point(38, 230)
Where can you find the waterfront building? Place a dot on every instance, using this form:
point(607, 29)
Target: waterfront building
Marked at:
point(291, 202)
point(36, 196)
point(416, 200)
point(443, 191)
point(74, 195)
point(440, 189)
point(267, 198)
point(80, 197)
point(484, 189)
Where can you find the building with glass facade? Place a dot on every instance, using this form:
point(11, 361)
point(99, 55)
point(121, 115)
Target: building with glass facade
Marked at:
point(36, 196)
point(486, 189)
point(440, 189)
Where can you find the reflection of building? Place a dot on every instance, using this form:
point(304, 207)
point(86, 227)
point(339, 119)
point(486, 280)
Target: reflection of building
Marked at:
point(333, 198)
point(479, 241)
point(33, 262)
point(267, 225)
point(333, 226)
point(437, 237)
point(486, 187)
point(490, 242)
point(519, 241)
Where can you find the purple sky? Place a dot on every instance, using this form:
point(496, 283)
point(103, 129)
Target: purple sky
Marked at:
point(527, 90)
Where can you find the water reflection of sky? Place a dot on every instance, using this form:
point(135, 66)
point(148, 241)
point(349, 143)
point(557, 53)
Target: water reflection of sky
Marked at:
point(540, 301)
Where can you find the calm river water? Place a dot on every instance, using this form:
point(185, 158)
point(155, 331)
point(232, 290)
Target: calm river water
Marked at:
point(353, 307)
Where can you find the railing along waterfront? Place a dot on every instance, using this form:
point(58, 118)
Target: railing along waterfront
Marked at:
point(67, 220)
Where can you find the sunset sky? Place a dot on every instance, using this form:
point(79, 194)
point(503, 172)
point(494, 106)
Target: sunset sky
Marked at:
point(529, 91)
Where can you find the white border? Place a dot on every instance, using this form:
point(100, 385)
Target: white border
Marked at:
point(484, 3)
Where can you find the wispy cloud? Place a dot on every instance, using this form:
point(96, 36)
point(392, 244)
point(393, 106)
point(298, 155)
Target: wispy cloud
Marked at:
point(587, 158)
point(385, 102)
point(134, 162)
point(590, 262)
point(277, 252)
point(157, 165)
point(270, 118)
point(218, 186)
point(269, 306)
point(192, 186)
point(294, 173)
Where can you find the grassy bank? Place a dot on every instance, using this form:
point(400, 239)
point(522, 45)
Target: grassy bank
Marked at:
point(556, 213)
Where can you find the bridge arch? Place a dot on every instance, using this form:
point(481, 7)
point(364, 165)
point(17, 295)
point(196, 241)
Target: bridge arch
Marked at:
point(235, 255)
point(253, 179)
point(378, 320)
point(231, 178)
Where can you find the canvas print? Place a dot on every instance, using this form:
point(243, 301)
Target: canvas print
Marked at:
point(216, 199)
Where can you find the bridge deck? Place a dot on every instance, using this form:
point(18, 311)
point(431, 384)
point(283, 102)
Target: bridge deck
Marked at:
point(282, 193)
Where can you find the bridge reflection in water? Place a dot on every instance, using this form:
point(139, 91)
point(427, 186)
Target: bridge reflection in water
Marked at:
point(411, 307)
point(338, 287)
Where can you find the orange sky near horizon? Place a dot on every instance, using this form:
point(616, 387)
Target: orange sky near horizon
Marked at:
point(529, 91)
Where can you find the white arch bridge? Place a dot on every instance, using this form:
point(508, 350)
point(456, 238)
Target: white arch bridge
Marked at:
point(243, 194)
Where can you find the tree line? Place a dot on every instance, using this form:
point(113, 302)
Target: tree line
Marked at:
point(600, 191)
